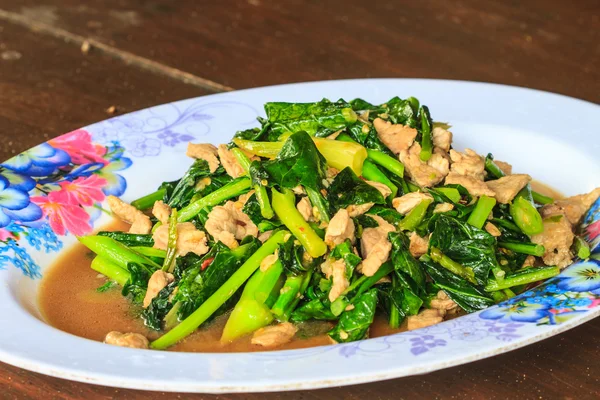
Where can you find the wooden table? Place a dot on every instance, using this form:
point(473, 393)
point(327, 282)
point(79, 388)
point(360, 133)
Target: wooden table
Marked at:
point(64, 63)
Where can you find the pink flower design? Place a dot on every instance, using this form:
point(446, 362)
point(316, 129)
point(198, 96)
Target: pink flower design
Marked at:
point(82, 191)
point(595, 302)
point(78, 144)
point(593, 230)
point(5, 234)
point(63, 217)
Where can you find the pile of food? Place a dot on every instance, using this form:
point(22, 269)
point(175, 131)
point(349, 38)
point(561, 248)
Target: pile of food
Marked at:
point(333, 211)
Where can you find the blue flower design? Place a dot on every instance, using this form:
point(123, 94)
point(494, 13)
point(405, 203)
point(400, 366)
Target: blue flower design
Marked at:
point(348, 350)
point(115, 183)
point(468, 334)
point(522, 311)
point(139, 146)
point(170, 138)
point(42, 160)
point(20, 258)
point(15, 205)
point(423, 344)
point(581, 277)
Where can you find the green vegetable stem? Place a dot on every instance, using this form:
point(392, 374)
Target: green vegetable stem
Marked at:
point(481, 212)
point(111, 270)
point(524, 213)
point(146, 202)
point(523, 277)
point(372, 173)
point(232, 189)
point(221, 295)
point(115, 252)
point(285, 208)
point(261, 192)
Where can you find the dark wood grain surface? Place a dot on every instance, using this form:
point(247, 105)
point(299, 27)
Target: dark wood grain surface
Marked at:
point(147, 52)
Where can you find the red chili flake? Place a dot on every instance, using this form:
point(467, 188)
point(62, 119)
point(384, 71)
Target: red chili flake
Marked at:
point(301, 229)
point(206, 263)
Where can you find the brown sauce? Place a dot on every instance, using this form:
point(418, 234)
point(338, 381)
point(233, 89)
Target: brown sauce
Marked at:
point(69, 301)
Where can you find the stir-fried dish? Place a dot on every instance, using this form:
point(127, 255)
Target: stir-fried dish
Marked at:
point(332, 211)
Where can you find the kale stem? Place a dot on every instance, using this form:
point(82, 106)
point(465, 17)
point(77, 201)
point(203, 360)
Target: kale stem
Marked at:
point(451, 193)
point(169, 261)
point(147, 201)
point(582, 248)
point(412, 220)
point(217, 299)
point(523, 277)
point(541, 199)
point(387, 162)
point(232, 189)
point(493, 169)
point(426, 142)
point(285, 208)
point(261, 192)
point(338, 154)
point(524, 248)
point(379, 157)
point(251, 311)
point(317, 200)
point(451, 265)
point(261, 149)
point(288, 294)
point(372, 173)
point(111, 270)
point(509, 293)
point(524, 213)
point(481, 212)
point(394, 319)
point(115, 252)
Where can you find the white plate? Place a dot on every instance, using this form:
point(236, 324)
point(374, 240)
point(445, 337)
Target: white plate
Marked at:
point(546, 135)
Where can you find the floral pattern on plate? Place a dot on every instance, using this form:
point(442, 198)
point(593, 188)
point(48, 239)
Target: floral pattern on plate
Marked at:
point(54, 189)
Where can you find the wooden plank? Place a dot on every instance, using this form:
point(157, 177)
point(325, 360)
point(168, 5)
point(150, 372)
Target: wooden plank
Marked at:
point(49, 87)
point(544, 44)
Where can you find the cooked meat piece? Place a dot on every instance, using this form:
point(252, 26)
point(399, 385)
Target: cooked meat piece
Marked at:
point(557, 239)
point(354, 210)
point(299, 190)
point(504, 167)
point(443, 207)
point(228, 222)
point(337, 270)
point(230, 162)
point(507, 187)
point(157, 282)
point(529, 262)
point(441, 138)
point(161, 211)
point(425, 174)
point(245, 197)
point(418, 245)
point(131, 340)
point(425, 318)
point(331, 172)
point(189, 239)
point(396, 137)
point(305, 209)
point(383, 189)
point(443, 302)
point(269, 260)
point(375, 246)
point(406, 203)
point(474, 186)
point(274, 335)
point(263, 237)
point(576, 206)
point(140, 223)
point(340, 228)
point(468, 163)
point(204, 151)
point(492, 229)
